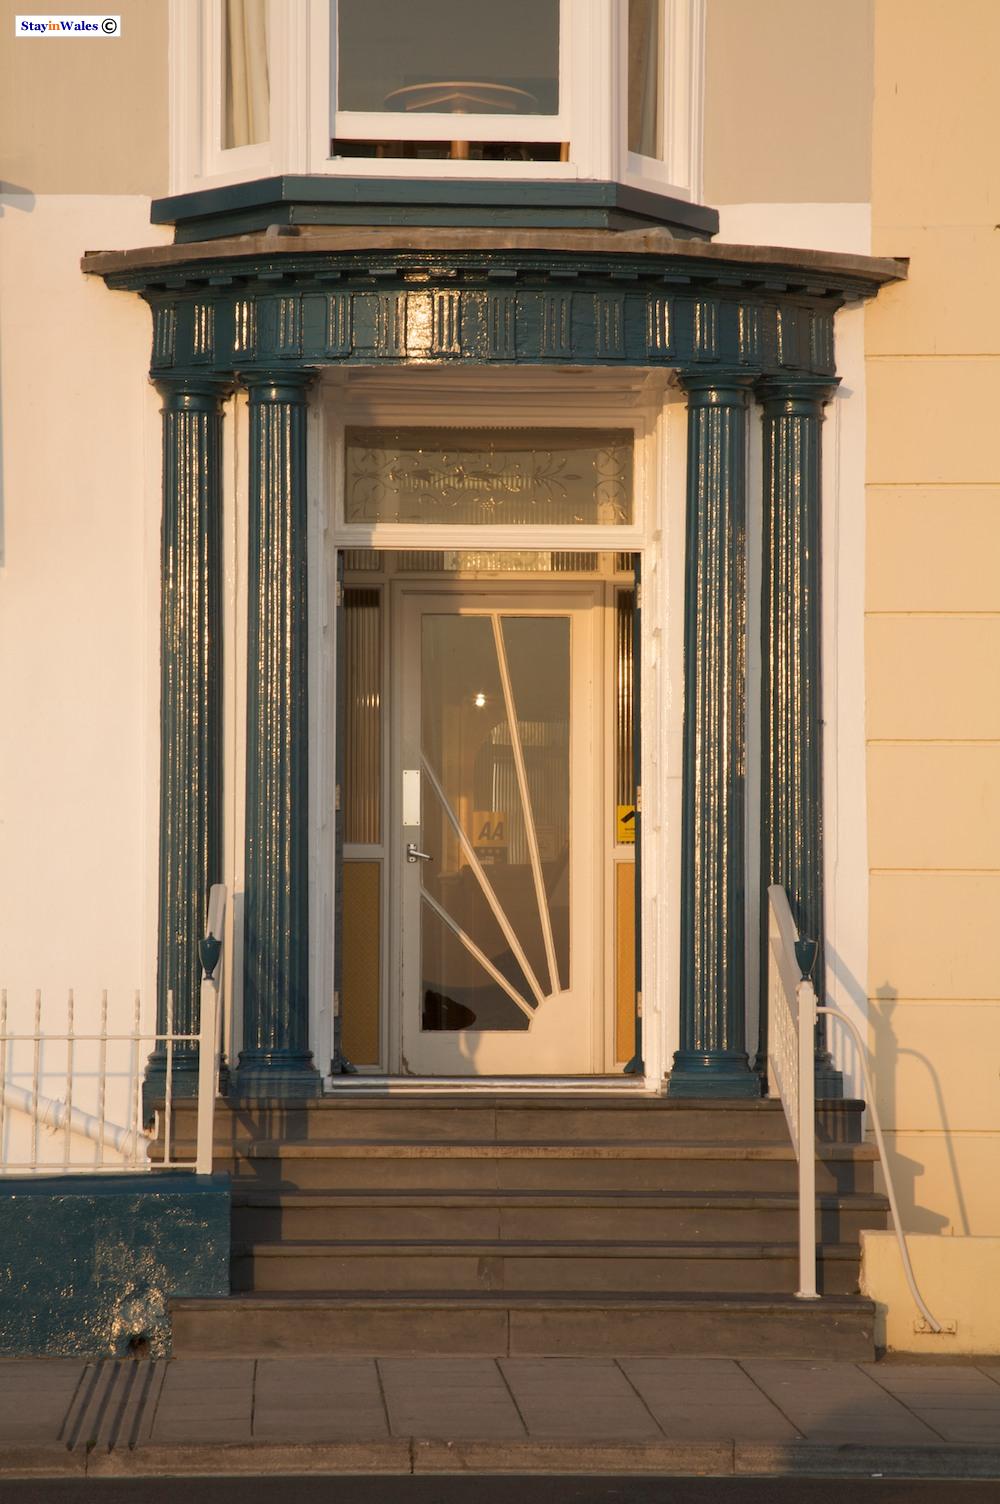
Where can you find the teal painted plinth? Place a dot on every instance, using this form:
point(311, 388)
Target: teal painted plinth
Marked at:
point(279, 1077)
point(89, 1263)
point(712, 1075)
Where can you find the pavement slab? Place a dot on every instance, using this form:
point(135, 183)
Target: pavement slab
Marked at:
point(590, 1398)
point(687, 1396)
point(318, 1399)
point(830, 1401)
point(454, 1398)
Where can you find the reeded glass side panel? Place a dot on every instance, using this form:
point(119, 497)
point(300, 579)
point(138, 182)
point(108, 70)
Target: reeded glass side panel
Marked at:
point(494, 818)
point(362, 618)
point(504, 477)
point(451, 57)
point(624, 760)
point(246, 92)
point(645, 63)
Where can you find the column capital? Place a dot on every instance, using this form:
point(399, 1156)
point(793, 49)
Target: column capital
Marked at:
point(277, 385)
point(796, 396)
point(192, 394)
point(713, 388)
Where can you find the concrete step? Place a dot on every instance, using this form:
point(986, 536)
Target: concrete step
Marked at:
point(720, 1268)
point(582, 1165)
point(502, 1323)
point(511, 1118)
point(262, 1214)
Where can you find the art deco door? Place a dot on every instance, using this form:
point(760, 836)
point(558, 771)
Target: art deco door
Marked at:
point(497, 833)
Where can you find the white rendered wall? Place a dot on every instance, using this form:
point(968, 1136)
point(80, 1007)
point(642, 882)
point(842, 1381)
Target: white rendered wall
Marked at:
point(79, 593)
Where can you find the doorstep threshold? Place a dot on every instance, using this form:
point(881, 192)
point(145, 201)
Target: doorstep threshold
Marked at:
point(428, 1086)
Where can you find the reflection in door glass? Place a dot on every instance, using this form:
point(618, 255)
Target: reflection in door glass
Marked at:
point(495, 818)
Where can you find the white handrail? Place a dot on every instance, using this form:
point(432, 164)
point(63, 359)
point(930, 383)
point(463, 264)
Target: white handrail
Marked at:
point(796, 1088)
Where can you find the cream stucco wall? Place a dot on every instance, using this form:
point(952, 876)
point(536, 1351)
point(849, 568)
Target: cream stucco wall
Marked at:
point(85, 116)
point(933, 610)
point(788, 91)
point(79, 590)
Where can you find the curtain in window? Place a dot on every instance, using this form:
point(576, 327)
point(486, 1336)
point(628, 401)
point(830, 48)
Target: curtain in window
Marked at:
point(248, 90)
point(644, 77)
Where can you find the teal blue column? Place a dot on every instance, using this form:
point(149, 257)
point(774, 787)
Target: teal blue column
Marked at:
point(276, 1060)
point(190, 858)
point(712, 1059)
point(792, 688)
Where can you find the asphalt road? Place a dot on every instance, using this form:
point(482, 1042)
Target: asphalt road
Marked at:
point(493, 1490)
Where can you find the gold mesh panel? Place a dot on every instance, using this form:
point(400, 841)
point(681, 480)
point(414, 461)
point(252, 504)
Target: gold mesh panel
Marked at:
point(624, 960)
point(362, 941)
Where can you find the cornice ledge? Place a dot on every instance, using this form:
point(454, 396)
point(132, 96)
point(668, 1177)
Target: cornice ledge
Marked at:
point(864, 275)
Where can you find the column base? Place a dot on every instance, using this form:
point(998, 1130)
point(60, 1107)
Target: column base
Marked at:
point(184, 1073)
point(276, 1076)
point(829, 1081)
point(717, 1074)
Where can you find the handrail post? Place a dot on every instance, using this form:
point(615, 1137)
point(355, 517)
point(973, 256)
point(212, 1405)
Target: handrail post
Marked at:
point(208, 1029)
point(805, 999)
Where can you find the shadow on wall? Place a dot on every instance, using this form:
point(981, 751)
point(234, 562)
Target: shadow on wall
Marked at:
point(884, 1066)
point(12, 196)
point(907, 1172)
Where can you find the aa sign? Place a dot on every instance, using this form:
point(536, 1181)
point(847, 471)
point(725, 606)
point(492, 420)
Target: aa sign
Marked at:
point(489, 829)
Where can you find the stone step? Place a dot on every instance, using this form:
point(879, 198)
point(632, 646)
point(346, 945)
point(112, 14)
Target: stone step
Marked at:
point(547, 1119)
point(381, 1165)
point(502, 1323)
point(271, 1215)
point(721, 1268)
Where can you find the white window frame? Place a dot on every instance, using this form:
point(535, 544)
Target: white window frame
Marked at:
point(678, 168)
point(592, 96)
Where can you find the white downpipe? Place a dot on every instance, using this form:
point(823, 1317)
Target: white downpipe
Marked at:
point(54, 1115)
point(890, 1189)
point(208, 1035)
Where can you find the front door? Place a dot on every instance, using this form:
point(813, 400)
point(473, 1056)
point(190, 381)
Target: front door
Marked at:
point(498, 832)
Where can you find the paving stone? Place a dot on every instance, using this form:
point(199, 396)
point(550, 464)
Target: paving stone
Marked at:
point(454, 1398)
point(208, 1374)
point(318, 1399)
point(828, 1401)
point(588, 1398)
point(706, 1399)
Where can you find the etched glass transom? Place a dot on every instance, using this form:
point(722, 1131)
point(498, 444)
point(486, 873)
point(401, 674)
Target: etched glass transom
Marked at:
point(501, 477)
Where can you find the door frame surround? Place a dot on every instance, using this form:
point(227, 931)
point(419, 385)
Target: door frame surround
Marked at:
point(656, 412)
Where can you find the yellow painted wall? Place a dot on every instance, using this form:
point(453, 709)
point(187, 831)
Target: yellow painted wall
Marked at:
point(788, 90)
point(85, 116)
point(933, 610)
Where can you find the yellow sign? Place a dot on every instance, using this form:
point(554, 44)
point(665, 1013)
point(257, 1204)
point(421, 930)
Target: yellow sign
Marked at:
point(489, 829)
point(626, 825)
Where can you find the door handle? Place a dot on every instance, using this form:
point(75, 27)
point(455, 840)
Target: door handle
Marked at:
point(413, 855)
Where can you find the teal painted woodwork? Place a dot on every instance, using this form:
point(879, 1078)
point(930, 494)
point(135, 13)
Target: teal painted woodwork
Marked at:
point(89, 1263)
point(190, 708)
point(276, 1060)
point(712, 1059)
point(242, 208)
point(239, 313)
point(791, 690)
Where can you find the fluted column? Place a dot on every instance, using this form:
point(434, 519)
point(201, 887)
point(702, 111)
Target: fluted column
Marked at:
point(712, 1059)
point(190, 707)
point(276, 1060)
point(792, 694)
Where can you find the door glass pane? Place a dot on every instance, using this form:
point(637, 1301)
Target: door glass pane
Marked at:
point(552, 477)
point(644, 66)
point(495, 817)
point(467, 57)
point(538, 658)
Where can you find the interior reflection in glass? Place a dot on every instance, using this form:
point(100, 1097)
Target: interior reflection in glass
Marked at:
point(495, 818)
